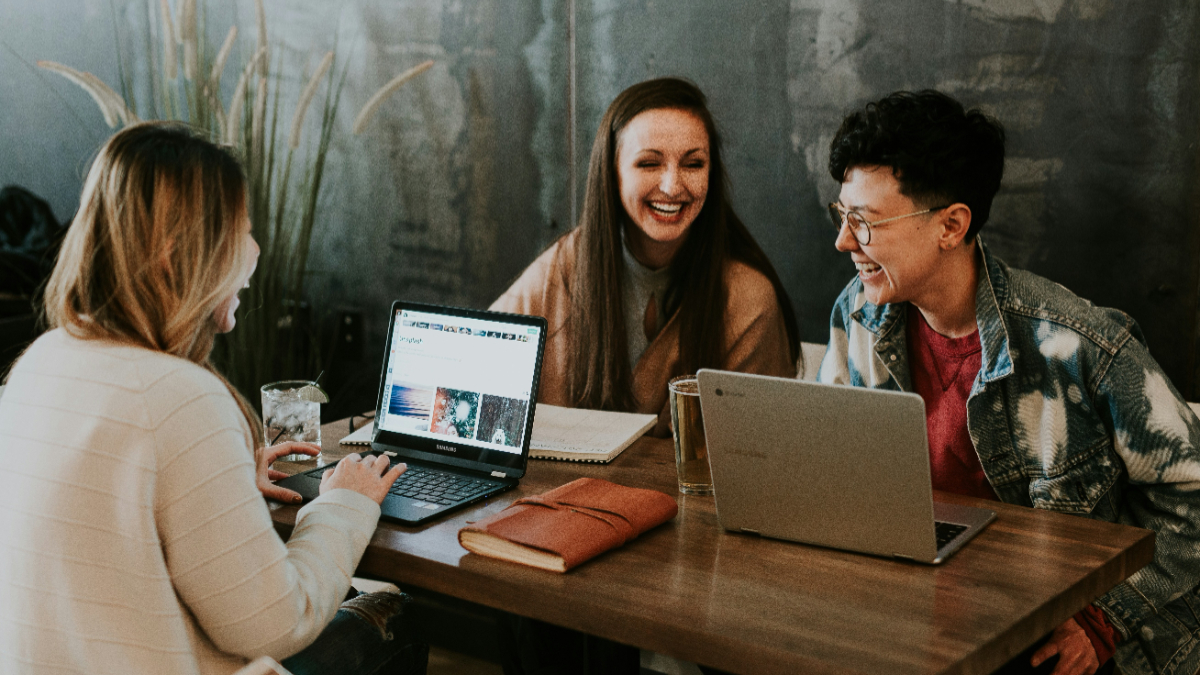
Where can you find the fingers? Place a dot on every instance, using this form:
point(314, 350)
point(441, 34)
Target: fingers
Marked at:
point(1076, 656)
point(381, 463)
point(274, 452)
point(1073, 666)
point(1049, 649)
point(281, 494)
point(272, 474)
point(391, 476)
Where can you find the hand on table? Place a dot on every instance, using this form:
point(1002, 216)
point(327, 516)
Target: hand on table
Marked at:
point(1076, 656)
point(367, 476)
point(264, 474)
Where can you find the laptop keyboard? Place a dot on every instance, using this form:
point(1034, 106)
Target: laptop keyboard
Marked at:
point(439, 487)
point(946, 532)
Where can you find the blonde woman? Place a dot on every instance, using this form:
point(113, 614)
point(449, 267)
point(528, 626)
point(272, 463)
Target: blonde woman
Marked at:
point(133, 535)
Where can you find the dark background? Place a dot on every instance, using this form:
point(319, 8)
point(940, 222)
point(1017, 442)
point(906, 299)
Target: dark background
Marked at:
point(470, 171)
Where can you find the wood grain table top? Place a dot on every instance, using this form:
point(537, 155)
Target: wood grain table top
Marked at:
point(751, 605)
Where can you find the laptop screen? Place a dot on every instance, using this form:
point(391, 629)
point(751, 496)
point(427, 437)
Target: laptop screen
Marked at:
point(459, 383)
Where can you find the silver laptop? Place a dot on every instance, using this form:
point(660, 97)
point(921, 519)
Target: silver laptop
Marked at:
point(837, 466)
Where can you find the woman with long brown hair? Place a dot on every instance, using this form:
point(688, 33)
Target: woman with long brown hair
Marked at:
point(133, 535)
point(660, 278)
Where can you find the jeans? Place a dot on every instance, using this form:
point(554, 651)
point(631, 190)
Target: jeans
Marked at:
point(368, 636)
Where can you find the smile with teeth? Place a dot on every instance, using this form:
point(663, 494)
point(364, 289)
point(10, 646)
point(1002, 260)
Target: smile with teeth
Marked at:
point(866, 269)
point(666, 208)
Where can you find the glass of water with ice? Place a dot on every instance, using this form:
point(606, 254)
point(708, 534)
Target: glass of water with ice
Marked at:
point(291, 414)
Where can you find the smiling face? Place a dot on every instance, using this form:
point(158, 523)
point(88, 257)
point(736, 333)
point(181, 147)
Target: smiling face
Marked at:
point(901, 262)
point(662, 175)
point(223, 315)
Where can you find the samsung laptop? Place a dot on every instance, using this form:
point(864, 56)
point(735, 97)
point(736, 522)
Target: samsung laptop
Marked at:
point(836, 466)
point(456, 403)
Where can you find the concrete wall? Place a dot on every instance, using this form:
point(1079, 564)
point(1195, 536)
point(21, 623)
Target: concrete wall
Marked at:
point(468, 173)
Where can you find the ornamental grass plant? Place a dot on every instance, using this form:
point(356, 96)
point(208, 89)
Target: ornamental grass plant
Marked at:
point(284, 164)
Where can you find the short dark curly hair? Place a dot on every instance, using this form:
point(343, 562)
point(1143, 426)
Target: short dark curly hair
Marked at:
point(940, 152)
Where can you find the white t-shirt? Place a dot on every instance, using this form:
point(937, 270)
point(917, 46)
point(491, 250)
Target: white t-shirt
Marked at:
point(132, 536)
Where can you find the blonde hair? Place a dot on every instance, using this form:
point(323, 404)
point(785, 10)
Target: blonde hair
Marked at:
point(155, 247)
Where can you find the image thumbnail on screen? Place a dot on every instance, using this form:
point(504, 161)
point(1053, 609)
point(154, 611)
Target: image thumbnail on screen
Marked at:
point(412, 402)
point(455, 413)
point(501, 420)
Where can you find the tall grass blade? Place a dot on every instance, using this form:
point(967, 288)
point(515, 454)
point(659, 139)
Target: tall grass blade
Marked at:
point(368, 110)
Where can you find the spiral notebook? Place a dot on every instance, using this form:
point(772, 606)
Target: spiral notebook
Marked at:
point(568, 434)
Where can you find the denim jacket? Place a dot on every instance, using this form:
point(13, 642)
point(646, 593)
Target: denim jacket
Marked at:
point(1069, 412)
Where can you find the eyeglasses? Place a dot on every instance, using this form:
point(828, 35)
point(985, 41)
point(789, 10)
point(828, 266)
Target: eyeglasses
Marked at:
point(859, 226)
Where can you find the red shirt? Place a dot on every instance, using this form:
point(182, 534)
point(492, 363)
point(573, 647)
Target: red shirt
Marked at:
point(942, 371)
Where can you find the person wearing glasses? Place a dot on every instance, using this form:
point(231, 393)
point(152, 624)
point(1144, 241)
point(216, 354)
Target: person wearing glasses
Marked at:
point(1033, 395)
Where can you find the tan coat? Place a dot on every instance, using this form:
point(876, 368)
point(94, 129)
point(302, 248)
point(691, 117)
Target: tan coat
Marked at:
point(755, 334)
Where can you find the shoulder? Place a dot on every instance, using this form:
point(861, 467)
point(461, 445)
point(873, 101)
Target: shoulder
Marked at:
point(748, 291)
point(850, 300)
point(850, 353)
point(744, 278)
point(1030, 297)
point(547, 274)
point(121, 383)
point(131, 368)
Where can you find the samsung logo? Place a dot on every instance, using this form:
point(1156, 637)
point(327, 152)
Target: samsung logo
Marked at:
point(447, 448)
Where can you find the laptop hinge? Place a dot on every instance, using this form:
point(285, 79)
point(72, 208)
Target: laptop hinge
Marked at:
point(499, 474)
point(746, 529)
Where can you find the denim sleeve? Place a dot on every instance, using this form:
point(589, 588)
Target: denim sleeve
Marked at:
point(835, 366)
point(1157, 437)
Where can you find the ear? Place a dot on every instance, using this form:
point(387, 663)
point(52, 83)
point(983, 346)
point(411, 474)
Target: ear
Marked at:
point(956, 220)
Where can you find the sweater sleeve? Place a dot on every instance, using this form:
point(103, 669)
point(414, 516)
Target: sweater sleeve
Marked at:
point(251, 594)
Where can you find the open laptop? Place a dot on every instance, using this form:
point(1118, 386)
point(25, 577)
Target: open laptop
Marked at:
point(837, 466)
point(456, 403)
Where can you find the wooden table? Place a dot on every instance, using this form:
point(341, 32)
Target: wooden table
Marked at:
point(751, 605)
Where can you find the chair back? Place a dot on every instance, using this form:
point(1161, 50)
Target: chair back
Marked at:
point(811, 354)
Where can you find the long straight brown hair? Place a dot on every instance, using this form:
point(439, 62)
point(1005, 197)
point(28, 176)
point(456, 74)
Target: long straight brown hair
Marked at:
point(155, 247)
point(602, 376)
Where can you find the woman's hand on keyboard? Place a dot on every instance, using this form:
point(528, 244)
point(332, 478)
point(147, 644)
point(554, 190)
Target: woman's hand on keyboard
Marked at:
point(368, 475)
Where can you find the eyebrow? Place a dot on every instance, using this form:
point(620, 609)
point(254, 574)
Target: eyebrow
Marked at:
point(860, 208)
point(693, 151)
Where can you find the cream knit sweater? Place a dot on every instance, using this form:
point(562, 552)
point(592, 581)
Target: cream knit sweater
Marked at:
point(132, 536)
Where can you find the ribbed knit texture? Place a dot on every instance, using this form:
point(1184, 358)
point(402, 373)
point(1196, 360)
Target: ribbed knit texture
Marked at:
point(641, 283)
point(132, 536)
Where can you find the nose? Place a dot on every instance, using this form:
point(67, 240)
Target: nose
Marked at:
point(846, 242)
point(668, 182)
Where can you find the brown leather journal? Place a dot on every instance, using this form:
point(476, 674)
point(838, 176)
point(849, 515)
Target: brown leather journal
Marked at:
point(568, 525)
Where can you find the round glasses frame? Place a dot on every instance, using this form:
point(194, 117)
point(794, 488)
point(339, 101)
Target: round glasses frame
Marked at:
point(859, 226)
